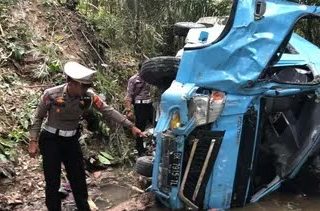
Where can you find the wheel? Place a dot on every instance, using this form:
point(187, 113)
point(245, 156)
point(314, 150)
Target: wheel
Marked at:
point(144, 166)
point(182, 28)
point(160, 71)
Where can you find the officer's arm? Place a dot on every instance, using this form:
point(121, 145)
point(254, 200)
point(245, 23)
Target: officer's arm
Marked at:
point(109, 112)
point(40, 113)
point(130, 95)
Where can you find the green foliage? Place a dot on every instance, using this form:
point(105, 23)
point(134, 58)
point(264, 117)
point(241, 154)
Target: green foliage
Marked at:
point(5, 4)
point(144, 26)
point(17, 51)
point(49, 2)
point(107, 155)
point(22, 118)
point(7, 150)
point(105, 158)
point(108, 84)
point(15, 42)
point(2, 158)
point(6, 143)
point(109, 26)
point(309, 29)
point(20, 42)
point(8, 79)
point(51, 65)
point(18, 135)
point(25, 116)
point(55, 65)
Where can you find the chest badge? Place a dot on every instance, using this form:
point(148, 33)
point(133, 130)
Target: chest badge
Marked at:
point(59, 101)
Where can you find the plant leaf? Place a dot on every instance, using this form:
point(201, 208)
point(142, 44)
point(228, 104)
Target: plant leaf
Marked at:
point(106, 155)
point(104, 160)
point(3, 158)
point(6, 143)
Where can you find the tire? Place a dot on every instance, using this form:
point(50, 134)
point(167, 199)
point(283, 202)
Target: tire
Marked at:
point(182, 28)
point(144, 166)
point(160, 71)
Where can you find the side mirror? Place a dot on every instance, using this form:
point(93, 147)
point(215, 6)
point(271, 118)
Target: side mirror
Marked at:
point(182, 28)
point(260, 9)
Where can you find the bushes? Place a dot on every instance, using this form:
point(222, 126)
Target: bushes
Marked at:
point(145, 26)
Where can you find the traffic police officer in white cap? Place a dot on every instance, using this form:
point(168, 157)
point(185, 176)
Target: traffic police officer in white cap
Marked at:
point(58, 140)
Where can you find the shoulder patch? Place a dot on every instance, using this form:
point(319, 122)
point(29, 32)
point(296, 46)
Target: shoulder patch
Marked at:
point(97, 101)
point(51, 94)
point(46, 99)
point(55, 91)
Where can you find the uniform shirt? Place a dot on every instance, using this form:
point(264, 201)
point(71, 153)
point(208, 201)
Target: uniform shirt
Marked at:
point(138, 89)
point(64, 112)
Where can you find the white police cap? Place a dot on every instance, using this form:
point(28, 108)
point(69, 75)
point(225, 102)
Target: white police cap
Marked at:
point(78, 72)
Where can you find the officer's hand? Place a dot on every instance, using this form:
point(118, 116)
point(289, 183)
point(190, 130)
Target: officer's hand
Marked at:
point(33, 148)
point(130, 115)
point(137, 132)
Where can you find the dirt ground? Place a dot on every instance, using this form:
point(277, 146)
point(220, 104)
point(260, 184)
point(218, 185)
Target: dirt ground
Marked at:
point(118, 188)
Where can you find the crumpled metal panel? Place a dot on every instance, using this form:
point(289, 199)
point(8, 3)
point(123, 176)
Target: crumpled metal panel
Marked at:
point(239, 58)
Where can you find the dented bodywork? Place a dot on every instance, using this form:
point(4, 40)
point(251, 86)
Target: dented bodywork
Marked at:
point(211, 135)
point(242, 53)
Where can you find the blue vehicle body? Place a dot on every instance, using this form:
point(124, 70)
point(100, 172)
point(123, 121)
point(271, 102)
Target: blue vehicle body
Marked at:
point(237, 65)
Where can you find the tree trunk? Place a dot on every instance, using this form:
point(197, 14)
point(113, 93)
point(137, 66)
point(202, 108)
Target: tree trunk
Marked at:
point(170, 45)
point(137, 27)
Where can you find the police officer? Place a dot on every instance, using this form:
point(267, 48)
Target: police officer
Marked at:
point(138, 104)
point(58, 140)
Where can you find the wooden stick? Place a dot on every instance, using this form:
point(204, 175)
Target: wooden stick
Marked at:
point(95, 50)
point(1, 30)
point(39, 86)
point(134, 188)
point(5, 109)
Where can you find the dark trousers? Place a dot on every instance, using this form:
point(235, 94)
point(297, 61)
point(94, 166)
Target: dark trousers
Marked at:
point(56, 150)
point(144, 115)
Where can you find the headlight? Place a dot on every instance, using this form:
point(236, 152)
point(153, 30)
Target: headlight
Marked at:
point(175, 120)
point(206, 108)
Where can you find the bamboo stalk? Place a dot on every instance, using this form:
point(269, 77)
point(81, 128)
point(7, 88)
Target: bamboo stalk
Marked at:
point(1, 30)
point(95, 50)
point(39, 86)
